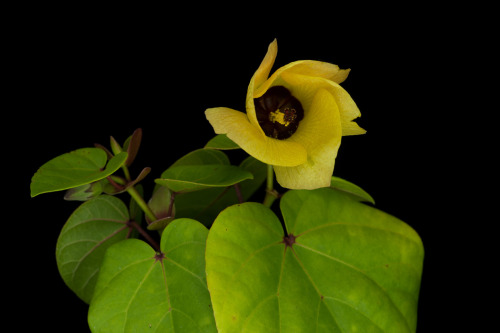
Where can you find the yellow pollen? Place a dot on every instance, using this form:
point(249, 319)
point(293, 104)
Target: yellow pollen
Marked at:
point(278, 117)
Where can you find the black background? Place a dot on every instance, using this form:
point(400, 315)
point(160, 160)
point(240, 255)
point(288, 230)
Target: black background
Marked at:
point(81, 75)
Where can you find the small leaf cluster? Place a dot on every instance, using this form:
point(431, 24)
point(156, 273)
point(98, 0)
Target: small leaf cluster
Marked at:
point(198, 257)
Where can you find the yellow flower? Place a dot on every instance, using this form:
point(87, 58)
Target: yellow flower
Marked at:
point(294, 120)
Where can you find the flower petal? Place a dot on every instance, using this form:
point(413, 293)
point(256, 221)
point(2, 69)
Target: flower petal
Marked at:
point(251, 139)
point(311, 68)
point(320, 69)
point(303, 87)
point(266, 65)
point(258, 78)
point(320, 133)
point(348, 110)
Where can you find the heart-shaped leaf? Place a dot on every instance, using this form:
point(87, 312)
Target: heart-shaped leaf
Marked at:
point(79, 167)
point(91, 229)
point(344, 267)
point(142, 291)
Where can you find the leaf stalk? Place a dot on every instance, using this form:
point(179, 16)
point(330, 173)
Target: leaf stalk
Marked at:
point(140, 201)
point(271, 193)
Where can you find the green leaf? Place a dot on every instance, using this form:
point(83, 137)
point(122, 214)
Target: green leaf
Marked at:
point(222, 142)
point(79, 167)
point(356, 192)
point(259, 172)
point(206, 202)
point(201, 157)
point(90, 230)
point(345, 267)
point(189, 178)
point(115, 146)
point(201, 169)
point(143, 291)
point(205, 205)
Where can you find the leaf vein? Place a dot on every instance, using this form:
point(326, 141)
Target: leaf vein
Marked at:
point(330, 224)
point(393, 305)
point(117, 231)
point(200, 278)
point(320, 294)
point(352, 307)
point(127, 308)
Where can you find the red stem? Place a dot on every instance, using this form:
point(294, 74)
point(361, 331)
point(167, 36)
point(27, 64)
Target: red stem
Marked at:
point(145, 235)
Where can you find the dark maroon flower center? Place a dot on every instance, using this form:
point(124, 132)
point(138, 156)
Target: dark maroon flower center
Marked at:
point(278, 112)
